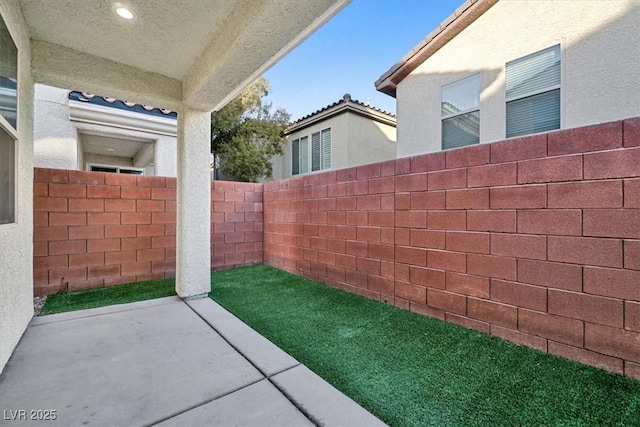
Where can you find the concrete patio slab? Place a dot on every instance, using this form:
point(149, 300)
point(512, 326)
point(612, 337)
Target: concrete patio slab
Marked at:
point(130, 367)
point(163, 362)
point(320, 401)
point(268, 407)
point(71, 315)
point(261, 352)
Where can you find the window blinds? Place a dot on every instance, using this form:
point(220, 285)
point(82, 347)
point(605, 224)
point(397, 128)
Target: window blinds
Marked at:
point(304, 154)
point(300, 156)
point(460, 131)
point(295, 157)
point(326, 149)
point(533, 92)
point(320, 152)
point(315, 151)
point(537, 113)
point(460, 112)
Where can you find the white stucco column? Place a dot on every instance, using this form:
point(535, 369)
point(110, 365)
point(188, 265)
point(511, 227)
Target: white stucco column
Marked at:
point(193, 236)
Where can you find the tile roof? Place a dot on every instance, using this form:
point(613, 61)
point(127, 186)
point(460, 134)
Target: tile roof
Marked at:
point(122, 105)
point(346, 102)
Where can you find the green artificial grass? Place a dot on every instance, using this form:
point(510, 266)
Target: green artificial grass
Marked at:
point(407, 369)
point(99, 297)
point(411, 370)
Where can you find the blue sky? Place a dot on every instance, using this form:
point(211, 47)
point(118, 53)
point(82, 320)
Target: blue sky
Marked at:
point(351, 51)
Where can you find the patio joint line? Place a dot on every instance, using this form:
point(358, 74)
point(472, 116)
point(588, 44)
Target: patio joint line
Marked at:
point(80, 317)
point(284, 370)
point(307, 415)
point(264, 374)
point(42, 323)
point(300, 408)
point(180, 412)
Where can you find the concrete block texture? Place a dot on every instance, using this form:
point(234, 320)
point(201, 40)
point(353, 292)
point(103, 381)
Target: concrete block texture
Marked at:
point(532, 239)
point(94, 229)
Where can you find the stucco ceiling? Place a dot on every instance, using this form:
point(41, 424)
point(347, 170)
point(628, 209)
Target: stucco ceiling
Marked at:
point(197, 53)
point(162, 29)
point(109, 146)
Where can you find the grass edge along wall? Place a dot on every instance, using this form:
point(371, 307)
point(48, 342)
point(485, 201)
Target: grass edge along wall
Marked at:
point(457, 376)
point(534, 240)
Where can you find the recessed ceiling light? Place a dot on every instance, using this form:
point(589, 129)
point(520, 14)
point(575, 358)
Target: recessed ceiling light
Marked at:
point(111, 149)
point(124, 13)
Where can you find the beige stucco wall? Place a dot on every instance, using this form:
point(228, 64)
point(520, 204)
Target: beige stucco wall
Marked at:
point(106, 160)
point(165, 156)
point(56, 136)
point(339, 152)
point(56, 140)
point(355, 141)
point(16, 247)
point(277, 165)
point(193, 204)
point(600, 66)
point(369, 141)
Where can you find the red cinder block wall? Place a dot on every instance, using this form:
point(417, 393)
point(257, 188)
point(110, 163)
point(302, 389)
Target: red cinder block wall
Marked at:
point(95, 229)
point(236, 224)
point(535, 240)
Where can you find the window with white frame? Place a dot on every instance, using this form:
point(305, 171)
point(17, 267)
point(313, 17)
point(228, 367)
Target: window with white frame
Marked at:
point(300, 155)
point(7, 177)
point(321, 150)
point(319, 156)
point(8, 125)
point(533, 92)
point(460, 109)
point(115, 169)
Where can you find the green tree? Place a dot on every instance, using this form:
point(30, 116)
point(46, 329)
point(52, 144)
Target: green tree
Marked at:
point(246, 134)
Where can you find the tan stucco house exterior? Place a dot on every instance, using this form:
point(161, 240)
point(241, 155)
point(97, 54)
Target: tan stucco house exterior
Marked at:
point(188, 57)
point(498, 69)
point(344, 134)
point(82, 131)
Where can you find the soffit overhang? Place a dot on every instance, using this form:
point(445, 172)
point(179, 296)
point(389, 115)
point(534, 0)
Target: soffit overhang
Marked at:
point(195, 54)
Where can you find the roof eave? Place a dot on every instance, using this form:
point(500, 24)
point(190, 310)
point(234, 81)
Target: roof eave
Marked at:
point(445, 32)
point(388, 88)
point(342, 107)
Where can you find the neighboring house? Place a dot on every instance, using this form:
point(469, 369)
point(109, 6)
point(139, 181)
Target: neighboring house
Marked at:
point(501, 69)
point(75, 130)
point(344, 134)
